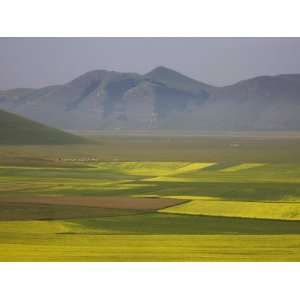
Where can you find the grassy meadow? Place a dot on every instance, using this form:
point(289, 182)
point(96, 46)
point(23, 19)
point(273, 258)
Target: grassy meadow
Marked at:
point(152, 198)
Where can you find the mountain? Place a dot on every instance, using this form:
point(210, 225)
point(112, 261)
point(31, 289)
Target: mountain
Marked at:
point(162, 98)
point(178, 81)
point(260, 103)
point(18, 130)
point(106, 99)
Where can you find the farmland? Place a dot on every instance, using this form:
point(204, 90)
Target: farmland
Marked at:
point(146, 198)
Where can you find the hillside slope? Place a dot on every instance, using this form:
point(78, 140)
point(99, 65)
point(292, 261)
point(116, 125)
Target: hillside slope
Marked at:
point(18, 130)
point(107, 99)
point(160, 99)
point(260, 103)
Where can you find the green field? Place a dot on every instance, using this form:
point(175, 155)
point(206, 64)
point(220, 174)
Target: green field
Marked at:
point(233, 203)
point(17, 130)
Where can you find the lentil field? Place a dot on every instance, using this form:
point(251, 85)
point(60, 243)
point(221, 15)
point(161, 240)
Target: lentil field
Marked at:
point(205, 201)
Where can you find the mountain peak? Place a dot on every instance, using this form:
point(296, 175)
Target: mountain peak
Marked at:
point(161, 70)
point(92, 75)
point(175, 79)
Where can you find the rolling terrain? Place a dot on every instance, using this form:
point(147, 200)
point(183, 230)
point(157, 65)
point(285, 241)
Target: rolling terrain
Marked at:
point(16, 130)
point(233, 203)
point(160, 99)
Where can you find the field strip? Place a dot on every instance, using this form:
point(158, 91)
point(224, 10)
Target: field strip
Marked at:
point(172, 179)
point(48, 212)
point(222, 179)
point(144, 168)
point(242, 167)
point(191, 167)
point(46, 168)
point(211, 206)
point(177, 248)
point(188, 198)
point(102, 202)
point(153, 168)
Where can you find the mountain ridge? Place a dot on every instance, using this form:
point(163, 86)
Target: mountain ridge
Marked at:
point(160, 98)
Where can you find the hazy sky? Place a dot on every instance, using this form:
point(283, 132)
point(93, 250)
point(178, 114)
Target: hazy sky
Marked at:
point(36, 62)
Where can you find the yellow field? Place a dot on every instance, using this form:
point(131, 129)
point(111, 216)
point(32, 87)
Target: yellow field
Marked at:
point(242, 167)
point(152, 168)
point(216, 207)
point(231, 212)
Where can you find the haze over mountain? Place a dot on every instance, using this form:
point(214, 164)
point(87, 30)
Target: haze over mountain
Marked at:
point(18, 130)
point(160, 99)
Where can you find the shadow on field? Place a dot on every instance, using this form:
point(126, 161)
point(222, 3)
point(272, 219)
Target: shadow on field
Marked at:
point(230, 190)
point(164, 223)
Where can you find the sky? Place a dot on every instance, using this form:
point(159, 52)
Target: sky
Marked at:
point(38, 62)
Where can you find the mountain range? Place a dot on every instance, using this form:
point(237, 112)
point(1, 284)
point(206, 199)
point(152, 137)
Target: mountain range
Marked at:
point(160, 99)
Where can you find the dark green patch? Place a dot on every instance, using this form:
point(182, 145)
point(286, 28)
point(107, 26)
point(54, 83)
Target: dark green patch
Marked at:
point(38, 211)
point(16, 130)
point(163, 223)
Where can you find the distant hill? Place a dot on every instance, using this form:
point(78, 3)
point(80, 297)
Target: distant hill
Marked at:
point(18, 130)
point(260, 103)
point(178, 81)
point(162, 98)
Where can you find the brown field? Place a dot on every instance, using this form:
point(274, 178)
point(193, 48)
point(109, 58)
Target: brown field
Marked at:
point(12, 211)
point(144, 204)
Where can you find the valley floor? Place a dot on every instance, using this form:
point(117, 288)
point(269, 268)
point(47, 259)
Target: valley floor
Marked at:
point(212, 208)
